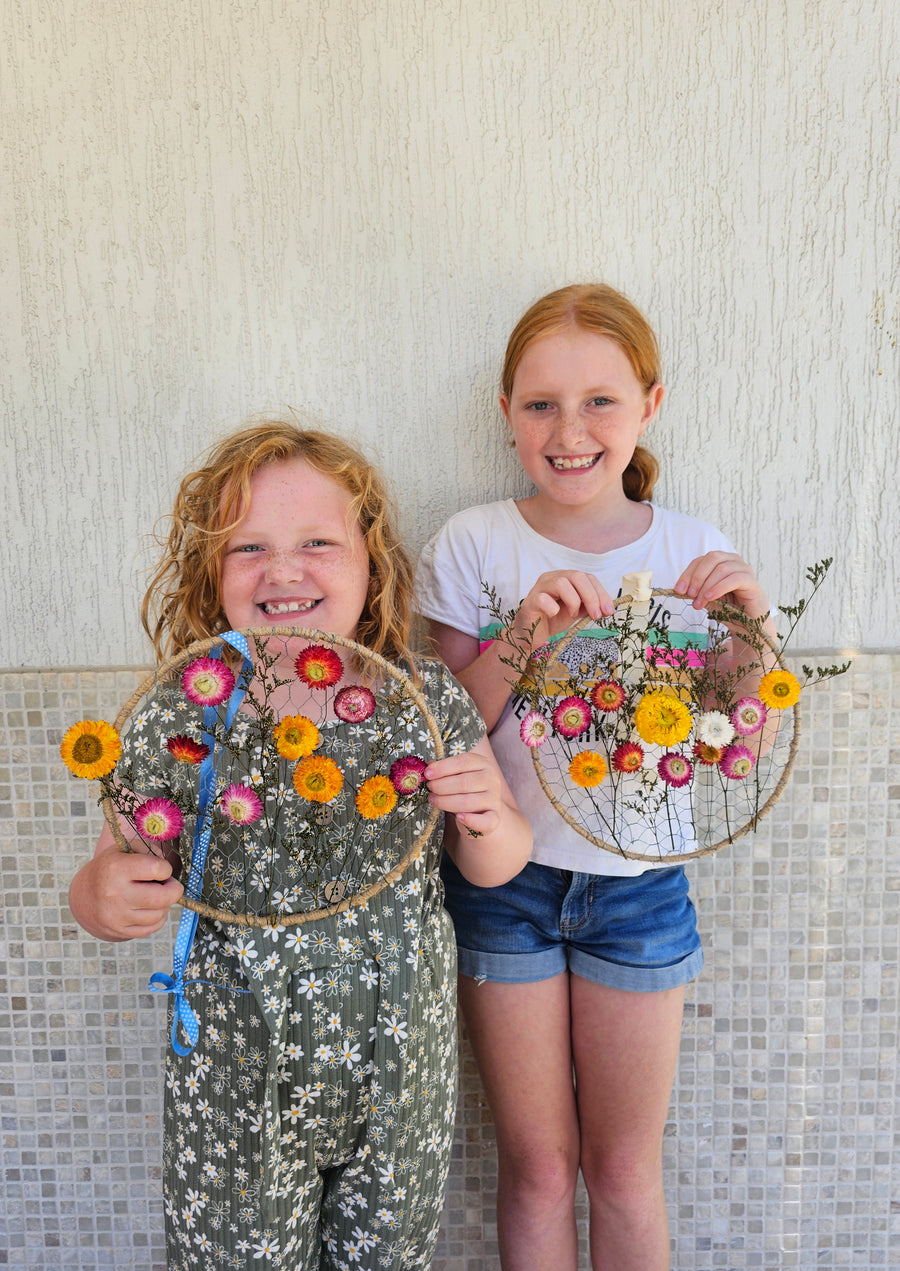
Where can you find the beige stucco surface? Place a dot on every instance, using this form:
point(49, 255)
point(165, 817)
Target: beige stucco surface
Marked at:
point(212, 209)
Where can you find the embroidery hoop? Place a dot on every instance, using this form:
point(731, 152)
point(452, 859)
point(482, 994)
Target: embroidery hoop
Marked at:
point(788, 720)
point(169, 672)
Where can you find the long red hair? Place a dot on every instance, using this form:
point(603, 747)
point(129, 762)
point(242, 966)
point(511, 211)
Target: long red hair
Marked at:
point(182, 603)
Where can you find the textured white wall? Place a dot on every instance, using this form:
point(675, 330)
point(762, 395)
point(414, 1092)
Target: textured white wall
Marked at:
point(215, 208)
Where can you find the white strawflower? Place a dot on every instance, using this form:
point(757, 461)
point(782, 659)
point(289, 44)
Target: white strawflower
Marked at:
point(715, 729)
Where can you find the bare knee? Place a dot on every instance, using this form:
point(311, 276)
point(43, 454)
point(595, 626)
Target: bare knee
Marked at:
point(543, 1179)
point(623, 1177)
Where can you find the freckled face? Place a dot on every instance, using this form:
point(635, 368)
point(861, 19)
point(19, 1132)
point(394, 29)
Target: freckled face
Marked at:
point(293, 561)
point(576, 411)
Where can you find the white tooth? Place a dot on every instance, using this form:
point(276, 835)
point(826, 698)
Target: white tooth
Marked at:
point(565, 464)
point(288, 607)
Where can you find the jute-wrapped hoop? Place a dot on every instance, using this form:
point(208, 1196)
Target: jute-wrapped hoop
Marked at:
point(373, 669)
point(581, 808)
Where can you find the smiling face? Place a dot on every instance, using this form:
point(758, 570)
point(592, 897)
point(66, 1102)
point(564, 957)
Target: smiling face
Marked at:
point(293, 560)
point(576, 411)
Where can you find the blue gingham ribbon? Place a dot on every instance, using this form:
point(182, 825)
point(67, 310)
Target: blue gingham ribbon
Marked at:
point(187, 928)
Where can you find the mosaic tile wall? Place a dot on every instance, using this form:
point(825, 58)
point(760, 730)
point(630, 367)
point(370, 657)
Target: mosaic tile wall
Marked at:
point(783, 1146)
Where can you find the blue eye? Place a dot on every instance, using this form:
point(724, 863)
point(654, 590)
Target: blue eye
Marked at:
point(539, 406)
point(601, 401)
point(248, 547)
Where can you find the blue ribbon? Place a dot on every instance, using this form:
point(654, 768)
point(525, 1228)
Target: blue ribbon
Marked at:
point(187, 927)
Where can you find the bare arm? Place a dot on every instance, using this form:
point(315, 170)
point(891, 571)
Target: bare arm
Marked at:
point(555, 601)
point(483, 675)
point(120, 895)
point(473, 792)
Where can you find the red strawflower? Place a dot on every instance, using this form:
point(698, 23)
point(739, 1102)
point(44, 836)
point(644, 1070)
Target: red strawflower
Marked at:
point(627, 757)
point(708, 755)
point(607, 695)
point(186, 750)
point(318, 666)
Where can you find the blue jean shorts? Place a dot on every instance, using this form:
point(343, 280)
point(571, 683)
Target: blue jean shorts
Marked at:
point(637, 933)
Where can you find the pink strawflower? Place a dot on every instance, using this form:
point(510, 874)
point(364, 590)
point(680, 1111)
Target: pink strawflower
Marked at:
point(354, 703)
point(534, 729)
point(737, 763)
point(159, 819)
point(241, 805)
point(572, 717)
point(675, 769)
point(207, 681)
point(407, 774)
point(748, 716)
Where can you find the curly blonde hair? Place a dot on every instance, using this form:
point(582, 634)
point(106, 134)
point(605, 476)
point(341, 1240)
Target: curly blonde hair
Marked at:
point(182, 602)
point(601, 309)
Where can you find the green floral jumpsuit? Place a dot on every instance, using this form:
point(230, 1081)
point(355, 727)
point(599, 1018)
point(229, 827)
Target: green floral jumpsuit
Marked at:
point(311, 1125)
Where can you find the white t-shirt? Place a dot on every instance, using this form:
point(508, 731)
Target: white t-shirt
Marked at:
point(494, 544)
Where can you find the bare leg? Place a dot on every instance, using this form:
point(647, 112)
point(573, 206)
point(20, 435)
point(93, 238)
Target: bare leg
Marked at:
point(625, 1048)
point(521, 1037)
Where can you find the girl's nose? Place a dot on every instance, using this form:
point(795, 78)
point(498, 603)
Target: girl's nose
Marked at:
point(569, 428)
point(284, 567)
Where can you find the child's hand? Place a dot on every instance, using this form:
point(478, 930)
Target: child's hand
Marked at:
point(122, 895)
point(470, 787)
point(485, 833)
point(558, 599)
point(723, 576)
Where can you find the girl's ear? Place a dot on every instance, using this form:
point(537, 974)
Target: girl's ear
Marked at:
point(651, 405)
point(504, 406)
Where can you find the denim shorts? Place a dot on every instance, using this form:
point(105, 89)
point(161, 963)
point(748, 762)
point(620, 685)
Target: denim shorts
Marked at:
point(637, 933)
